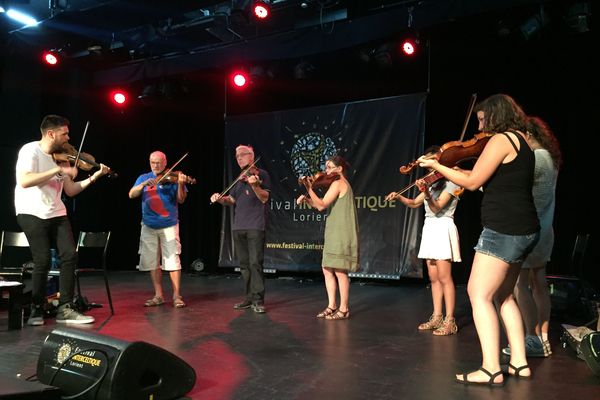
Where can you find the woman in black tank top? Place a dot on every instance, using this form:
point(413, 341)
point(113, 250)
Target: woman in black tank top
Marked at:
point(510, 230)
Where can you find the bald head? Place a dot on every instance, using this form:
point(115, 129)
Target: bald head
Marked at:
point(158, 162)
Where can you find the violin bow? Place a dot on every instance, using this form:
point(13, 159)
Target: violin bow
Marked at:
point(228, 188)
point(469, 111)
point(87, 125)
point(171, 169)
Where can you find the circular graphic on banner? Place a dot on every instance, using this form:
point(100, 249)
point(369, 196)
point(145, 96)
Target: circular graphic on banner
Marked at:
point(310, 152)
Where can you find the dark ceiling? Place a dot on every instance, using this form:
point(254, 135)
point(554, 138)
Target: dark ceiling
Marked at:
point(177, 34)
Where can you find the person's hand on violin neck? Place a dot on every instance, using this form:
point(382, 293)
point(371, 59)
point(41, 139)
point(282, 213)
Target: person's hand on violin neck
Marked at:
point(426, 162)
point(182, 179)
point(101, 172)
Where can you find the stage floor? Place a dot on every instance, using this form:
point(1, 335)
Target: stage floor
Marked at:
point(289, 354)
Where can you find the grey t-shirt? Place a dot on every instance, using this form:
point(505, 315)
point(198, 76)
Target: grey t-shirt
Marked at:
point(436, 191)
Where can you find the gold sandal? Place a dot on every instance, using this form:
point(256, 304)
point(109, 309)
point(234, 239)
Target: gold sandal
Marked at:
point(435, 321)
point(326, 312)
point(338, 315)
point(448, 328)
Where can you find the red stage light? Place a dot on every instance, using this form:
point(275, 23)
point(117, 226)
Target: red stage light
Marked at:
point(409, 47)
point(119, 97)
point(261, 10)
point(239, 80)
point(50, 58)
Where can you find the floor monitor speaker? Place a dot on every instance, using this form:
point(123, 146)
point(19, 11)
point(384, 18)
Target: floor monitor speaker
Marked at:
point(92, 366)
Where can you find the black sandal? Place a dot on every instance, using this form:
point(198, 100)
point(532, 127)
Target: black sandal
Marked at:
point(490, 382)
point(517, 371)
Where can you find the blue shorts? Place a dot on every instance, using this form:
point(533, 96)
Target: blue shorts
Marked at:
point(511, 249)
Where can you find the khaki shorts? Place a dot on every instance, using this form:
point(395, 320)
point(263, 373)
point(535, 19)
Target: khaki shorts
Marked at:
point(158, 245)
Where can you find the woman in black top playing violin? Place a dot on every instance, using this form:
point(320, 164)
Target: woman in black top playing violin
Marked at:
point(510, 231)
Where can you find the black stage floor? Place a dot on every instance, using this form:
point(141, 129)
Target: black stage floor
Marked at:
point(288, 354)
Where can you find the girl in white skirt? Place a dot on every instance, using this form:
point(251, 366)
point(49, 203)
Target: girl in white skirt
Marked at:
point(440, 247)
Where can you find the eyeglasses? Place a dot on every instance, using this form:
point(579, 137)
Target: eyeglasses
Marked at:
point(242, 154)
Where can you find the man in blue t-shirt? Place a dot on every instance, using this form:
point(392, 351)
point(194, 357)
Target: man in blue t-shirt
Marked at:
point(159, 237)
point(249, 196)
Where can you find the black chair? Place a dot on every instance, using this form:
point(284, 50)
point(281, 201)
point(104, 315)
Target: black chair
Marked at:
point(578, 255)
point(9, 269)
point(571, 295)
point(99, 241)
point(12, 270)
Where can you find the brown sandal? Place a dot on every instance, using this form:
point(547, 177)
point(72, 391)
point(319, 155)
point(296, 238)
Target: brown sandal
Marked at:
point(153, 302)
point(338, 315)
point(178, 302)
point(326, 312)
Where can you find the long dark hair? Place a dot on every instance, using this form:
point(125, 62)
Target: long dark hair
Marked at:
point(501, 114)
point(541, 132)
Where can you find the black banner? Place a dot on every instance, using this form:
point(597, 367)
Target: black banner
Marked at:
point(376, 137)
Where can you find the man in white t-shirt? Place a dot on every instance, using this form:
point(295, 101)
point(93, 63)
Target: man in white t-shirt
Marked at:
point(43, 216)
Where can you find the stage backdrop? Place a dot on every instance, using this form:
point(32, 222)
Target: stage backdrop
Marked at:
point(376, 137)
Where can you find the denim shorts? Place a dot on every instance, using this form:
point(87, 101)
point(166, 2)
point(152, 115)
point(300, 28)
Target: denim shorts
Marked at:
point(511, 249)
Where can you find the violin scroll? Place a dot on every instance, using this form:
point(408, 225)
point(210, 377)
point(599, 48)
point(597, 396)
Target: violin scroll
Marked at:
point(406, 169)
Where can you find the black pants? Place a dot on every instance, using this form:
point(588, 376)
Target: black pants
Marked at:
point(250, 249)
point(41, 235)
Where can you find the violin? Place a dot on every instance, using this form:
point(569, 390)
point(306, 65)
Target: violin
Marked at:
point(85, 162)
point(453, 153)
point(173, 177)
point(319, 180)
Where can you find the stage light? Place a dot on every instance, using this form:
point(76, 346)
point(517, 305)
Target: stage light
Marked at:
point(578, 17)
point(261, 9)
point(239, 79)
point(50, 58)
point(409, 47)
point(25, 19)
point(119, 97)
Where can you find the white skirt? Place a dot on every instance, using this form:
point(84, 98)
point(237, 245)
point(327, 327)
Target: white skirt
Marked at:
point(439, 240)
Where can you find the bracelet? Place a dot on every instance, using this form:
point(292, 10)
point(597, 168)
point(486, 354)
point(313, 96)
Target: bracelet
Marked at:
point(92, 179)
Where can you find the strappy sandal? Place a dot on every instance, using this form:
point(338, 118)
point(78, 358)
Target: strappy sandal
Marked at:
point(153, 302)
point(517, 371)
point(448, 328)
point(326, 312)
point(490, 382)
point(178, 302)
point(435, 321)
point(338, 315)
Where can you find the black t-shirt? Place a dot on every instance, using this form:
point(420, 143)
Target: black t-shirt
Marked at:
point(250, 212)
